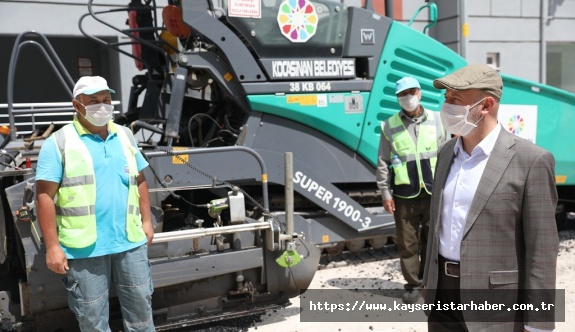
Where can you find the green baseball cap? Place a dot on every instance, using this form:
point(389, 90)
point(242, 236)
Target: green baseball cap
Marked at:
point(476, 76)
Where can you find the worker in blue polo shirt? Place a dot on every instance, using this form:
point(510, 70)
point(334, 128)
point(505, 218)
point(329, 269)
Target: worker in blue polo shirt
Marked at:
point(407, 155)
point(94, 212)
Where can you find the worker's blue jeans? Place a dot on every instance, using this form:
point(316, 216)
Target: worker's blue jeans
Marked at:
point(88, 282)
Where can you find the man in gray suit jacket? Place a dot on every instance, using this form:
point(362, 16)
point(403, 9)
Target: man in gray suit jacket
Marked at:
point(493, 237)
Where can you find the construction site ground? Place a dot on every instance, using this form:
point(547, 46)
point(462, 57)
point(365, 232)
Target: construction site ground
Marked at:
point(379, 269)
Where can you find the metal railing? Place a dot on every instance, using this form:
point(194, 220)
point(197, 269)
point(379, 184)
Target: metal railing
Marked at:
point(53, 60)
point(28, 117)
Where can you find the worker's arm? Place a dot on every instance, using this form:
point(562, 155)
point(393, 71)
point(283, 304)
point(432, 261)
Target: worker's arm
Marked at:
point(145, 208)
point(382, 174)
point(55, 257)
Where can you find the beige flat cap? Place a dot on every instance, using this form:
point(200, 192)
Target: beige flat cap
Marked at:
point(476, 76)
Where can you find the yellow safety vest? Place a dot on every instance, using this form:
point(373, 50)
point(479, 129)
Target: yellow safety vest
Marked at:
point(76, 200)
point(418, 161)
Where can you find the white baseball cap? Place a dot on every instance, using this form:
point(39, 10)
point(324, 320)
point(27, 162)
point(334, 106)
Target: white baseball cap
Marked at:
point(89, 85)
point(405, 83)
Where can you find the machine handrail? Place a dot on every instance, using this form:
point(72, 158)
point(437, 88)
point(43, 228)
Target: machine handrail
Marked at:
point(53, 60)
point(432, 16)
point(32, 109)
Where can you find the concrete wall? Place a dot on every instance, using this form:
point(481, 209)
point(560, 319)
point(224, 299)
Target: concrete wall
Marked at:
point(511, 28)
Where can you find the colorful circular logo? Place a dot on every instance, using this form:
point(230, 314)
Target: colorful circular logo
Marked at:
point(297, 20)
point(515, 124)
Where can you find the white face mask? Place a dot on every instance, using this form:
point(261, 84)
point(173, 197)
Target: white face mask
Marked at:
point(454, 118)
point(409, 102)
point(99, 114)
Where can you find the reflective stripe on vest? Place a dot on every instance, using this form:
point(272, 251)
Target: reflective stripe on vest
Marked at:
point(418, 161)
point(134, 229)
point(75, 205)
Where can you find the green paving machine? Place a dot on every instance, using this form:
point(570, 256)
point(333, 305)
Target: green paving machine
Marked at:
point(261, 122)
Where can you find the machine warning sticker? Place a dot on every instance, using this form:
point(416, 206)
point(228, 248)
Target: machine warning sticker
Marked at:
point(183, 158)
point(520, 120)
point(302, 100)
point(245, 8)
point(321, 101)
point(309, 100)
point(353, 104)
point(336, 98)
point(297, 20)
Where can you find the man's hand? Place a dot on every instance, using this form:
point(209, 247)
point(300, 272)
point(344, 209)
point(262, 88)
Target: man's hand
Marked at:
point(56, 260)
point(149, 230)
point(389, 205)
